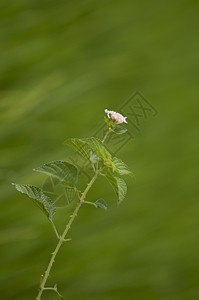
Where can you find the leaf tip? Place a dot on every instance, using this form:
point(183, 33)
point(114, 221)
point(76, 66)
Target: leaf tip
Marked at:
point(101, 203)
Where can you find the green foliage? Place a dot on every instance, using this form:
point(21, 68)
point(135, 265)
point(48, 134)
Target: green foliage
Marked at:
point(99, 148)
point(102, 162)
point(110, 122)
point(119, 129)
point(94, 150)
point(61, 170)
point(101, 203)
point(93, 146)
point(118, 185)
point(91, 149)
point(114, 127)
point(39, 198)
point(83, 148)
point(120, 167)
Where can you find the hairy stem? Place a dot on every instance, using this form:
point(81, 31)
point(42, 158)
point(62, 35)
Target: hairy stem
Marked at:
point(62, 237)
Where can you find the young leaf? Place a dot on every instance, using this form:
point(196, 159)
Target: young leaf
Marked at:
point(39, 198)
point(120, 167)
point(119, 129)
point(111, 123)
point(99, 148)
point(108, 122)
point(90, 148)
point(101, 203)
point(118, 185)
point(61, 170)
point(94, 158)
point(84, 149)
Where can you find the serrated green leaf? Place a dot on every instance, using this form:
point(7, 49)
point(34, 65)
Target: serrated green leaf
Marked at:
point(99, 148)
point(39, 198)
point(91, 149)
point(61, 170)
point(94, 157)
point(101, 203)
point(84, 149)
point(119, 129)
point(118, 185)
point(120, 167)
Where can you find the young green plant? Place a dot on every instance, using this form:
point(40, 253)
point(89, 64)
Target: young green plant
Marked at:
point(103, 164)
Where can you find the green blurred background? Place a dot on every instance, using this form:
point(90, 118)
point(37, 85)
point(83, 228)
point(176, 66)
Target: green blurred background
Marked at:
point(62, 64)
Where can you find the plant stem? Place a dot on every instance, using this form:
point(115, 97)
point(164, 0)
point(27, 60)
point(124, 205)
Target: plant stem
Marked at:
point(55, 229)
point(62, 237)
point(91, 203)
point(107, 133)
point(54, 290)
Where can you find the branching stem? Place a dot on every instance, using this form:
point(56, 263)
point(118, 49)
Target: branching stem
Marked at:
point(62, 238)
point(54, 290)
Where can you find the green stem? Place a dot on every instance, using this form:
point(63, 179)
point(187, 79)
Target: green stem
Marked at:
point(62, 237)
point(91, 203)
point(55, 229)
point(107, 133)
point(54, 290)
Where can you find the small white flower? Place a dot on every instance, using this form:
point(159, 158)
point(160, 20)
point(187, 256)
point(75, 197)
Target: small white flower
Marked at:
point(115, 116)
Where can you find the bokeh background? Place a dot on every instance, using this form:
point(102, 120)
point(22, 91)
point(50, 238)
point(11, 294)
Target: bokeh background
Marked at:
point(62, 63)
